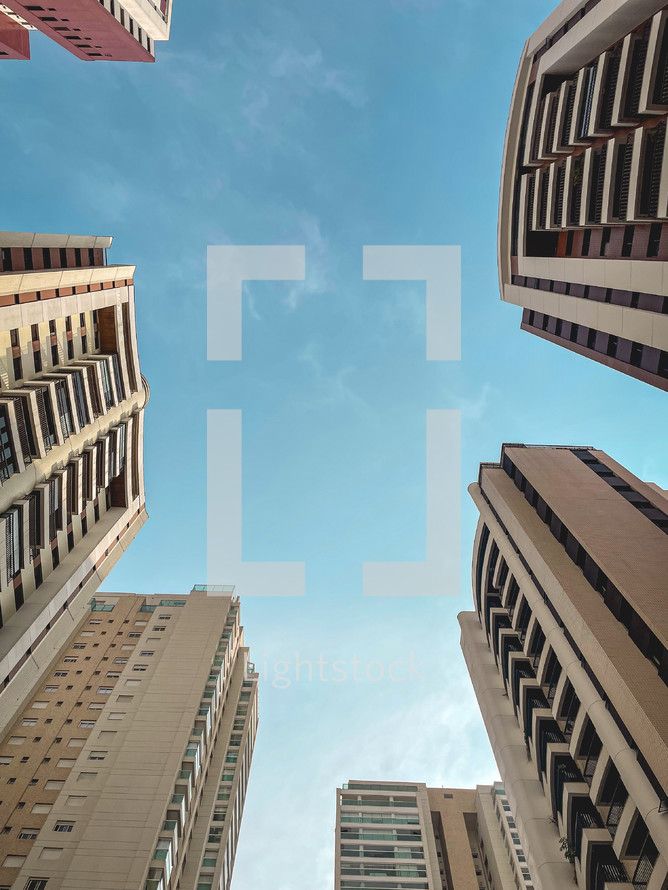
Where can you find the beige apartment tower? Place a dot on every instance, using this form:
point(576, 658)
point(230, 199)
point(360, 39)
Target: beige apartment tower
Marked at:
point(72, 401)
point(583, 216)
point(126, 763)
point(567, 655)
point(402, 836)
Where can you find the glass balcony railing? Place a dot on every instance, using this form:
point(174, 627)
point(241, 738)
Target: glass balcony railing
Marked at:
point(345, 802)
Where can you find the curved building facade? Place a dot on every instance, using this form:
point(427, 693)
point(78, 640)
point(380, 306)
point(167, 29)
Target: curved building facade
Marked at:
point(567, 652)
point(583, 218)
point(72, 401)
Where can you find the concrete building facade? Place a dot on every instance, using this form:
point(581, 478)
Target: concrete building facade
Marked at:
point(127, 762)
point(72, 399)
point(567, 652)
point(583, 216)
point(402, 836)
point(92, 30)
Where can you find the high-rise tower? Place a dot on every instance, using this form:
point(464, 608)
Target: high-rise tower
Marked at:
point(402, 836)
point(92, 30)
point(567, 652)
point(72, 399)
point(127, 761)
point(583, 217)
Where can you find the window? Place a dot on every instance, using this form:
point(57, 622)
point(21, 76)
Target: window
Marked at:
point(95, 706)
point(97, 755)
point(60, 673)
point(116, 715)
point(146, 654)
point(41, 808)
point(50, 689)
point(105, 690)
point(75, 800)
point(134, 636)
point(86, 724)
point(79, 646)
point(53, 785)
point(28, 834)
point(158, 628)
point(13, 527)
point(16, 740)
point(63, 826)
point(39, 704)
point(132, 682)
point(14, 861)
point(139, 667)
point(76, 743)
point(124, 698)
point(65, 763)
point(86, 777)
point(70, 659)
point(29, 722)
point(120, 661)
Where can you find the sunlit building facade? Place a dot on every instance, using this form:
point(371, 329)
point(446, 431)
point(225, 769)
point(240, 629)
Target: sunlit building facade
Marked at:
point(72, 401)
point(567, 652)
point(402, 836)
point(127, 761)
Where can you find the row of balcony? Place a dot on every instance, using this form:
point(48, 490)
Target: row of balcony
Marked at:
point(562, 741)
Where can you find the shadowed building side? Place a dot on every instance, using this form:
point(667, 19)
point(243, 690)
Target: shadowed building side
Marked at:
point(92, 30)
point(583, 215)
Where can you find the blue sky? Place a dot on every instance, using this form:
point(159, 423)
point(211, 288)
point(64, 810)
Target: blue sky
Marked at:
point(332, 125)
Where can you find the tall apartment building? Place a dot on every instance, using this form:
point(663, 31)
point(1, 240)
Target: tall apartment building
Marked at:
point(71, 441)
point(392, 835)
point(567, 652)
point(583, 217)
point(92, 30)
point(127, 762)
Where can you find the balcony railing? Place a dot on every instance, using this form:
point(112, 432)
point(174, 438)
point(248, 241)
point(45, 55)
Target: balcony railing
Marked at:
point(585, 819)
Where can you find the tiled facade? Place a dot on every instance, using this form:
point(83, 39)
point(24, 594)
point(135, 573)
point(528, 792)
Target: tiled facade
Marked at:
point(72, 399)
point(92, 30)
point(567, 652)
point(402, 836)
point(583, 218)
point(127, 764)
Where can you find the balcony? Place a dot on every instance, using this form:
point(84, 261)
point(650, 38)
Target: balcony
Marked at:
point(605, 870)
point(566, 779)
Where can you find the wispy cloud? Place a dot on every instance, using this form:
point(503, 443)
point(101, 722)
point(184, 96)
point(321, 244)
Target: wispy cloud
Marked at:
point(318, 261)
point(333, 388)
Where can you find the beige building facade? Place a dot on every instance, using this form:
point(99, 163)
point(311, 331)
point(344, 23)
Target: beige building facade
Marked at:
point(127, 762)
point(583, 233)
point(72, 401)
point(403, 836)
point(567, 652)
